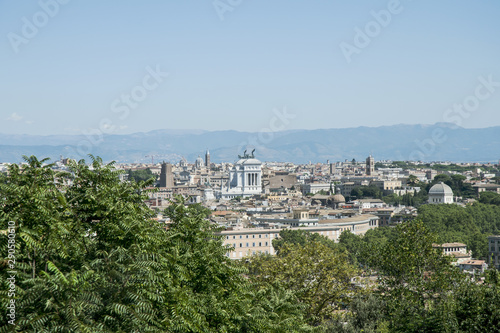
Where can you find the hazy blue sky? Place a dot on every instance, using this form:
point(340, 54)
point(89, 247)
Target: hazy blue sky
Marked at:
point(69, 67)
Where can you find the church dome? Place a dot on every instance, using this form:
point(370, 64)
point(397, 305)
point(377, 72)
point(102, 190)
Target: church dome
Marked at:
point(337, 198)
point(441, 189)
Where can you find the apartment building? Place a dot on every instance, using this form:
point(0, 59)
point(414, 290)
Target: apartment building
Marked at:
point(249, 241)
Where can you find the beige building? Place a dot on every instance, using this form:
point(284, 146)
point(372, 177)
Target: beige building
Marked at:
point(385, 185)
point(486, 188)
point(473, 266)
point(457, 250)
point(282, 180)
point(249, 241)
point(451, 248)
point(385, 215)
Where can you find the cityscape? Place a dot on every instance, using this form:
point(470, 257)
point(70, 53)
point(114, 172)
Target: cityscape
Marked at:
point(258, 199)
point(234, 166)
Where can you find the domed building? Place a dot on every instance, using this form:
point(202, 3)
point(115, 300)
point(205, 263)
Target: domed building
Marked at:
point(337, 200)
point(198, 164)
point(440, 193)
point(245, 178)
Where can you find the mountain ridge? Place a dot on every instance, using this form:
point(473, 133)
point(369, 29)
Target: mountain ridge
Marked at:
point(437, 142)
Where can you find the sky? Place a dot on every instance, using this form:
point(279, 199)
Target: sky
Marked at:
point(76, 67)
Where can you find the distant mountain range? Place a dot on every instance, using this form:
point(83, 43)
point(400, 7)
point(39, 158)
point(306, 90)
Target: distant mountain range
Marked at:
point(438, 142)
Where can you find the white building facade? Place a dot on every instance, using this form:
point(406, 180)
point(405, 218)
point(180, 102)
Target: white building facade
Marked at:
point(245, 178)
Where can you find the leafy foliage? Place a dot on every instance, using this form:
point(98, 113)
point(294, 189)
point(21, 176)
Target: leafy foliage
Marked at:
point(300, 237)
point(90, 258)
point(141, 175)
point(318, 275)
point(490, 198)
point(360, 192)
point(470, 225)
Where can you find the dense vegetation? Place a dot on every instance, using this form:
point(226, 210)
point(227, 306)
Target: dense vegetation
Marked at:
point(141, 175)
point(437, 167)
point(418, 290)
point(360, 192)
point(90, 258)
point(470, 225)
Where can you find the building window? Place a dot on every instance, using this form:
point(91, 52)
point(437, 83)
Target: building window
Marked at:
point(247, 244)
point(241, 244)
point(234, 237)
point(260, 236)
point(247, 236)
point(266, 243)
point(253, 244)
point(260, 244)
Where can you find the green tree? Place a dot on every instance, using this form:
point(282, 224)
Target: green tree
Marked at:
point(366, 314)
point(470, 225)
point(416, 281)
point(360, 192)
point(442, 178)
point(84, 252)
point(490, 198)
point(413, 180)
point(90, 258)
point(319, 276)
point(392, 199)
point(356, 193)
point(141, 175)
point(475, 306)
point(300, 237)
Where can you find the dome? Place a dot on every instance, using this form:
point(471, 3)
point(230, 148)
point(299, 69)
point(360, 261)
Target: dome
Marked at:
point(338, 198)
point(440, 189)
point(199, 160)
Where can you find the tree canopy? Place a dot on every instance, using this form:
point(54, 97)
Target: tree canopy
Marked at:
point(90, 258)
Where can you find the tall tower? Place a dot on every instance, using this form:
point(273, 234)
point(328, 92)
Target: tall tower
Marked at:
point(332, 168)
point(370, 165)
point(207, 159)
point(166, 176)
